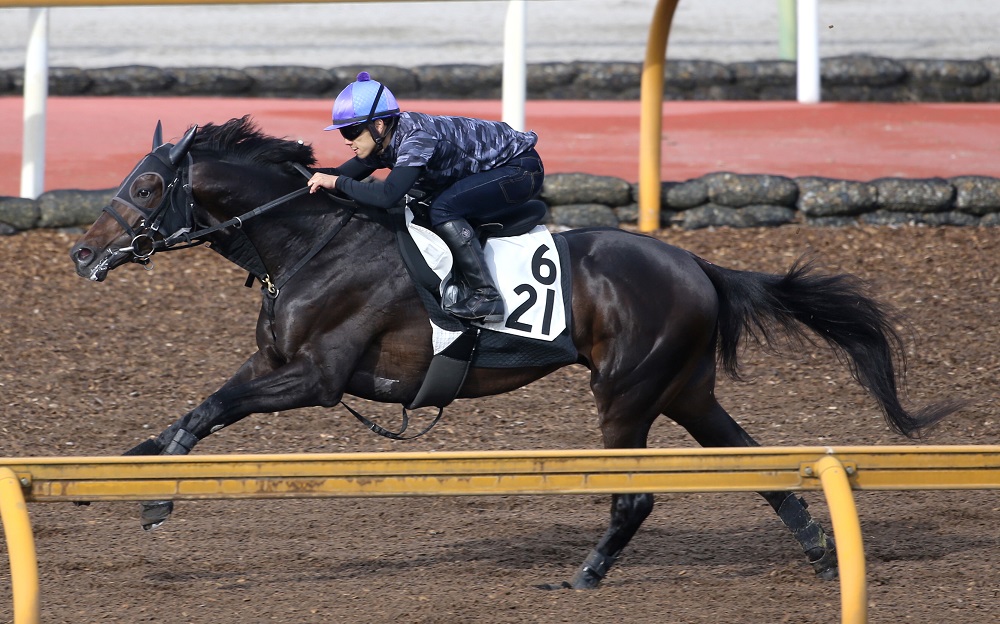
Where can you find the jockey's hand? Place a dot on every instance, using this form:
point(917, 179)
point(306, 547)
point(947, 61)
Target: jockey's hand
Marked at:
point(322, 180)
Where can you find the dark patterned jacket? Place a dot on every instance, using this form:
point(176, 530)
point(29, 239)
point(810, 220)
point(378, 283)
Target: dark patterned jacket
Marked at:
point(450, 148)
point(430, 153)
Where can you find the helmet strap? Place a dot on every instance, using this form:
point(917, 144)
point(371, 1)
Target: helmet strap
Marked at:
point(370, 122)
point(377, 136)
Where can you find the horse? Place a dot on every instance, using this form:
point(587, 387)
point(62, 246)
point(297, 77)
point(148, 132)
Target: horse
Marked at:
point(653, 323)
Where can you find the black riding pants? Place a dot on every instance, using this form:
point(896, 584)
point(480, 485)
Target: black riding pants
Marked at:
point(487, 194)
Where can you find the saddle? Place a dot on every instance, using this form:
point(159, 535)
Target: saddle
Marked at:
point(519, 220)
point(449, 366)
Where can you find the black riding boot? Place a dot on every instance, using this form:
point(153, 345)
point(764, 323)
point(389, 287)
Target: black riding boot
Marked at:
point(483, 301)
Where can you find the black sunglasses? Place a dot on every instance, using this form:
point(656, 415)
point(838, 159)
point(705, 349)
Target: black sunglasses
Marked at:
point(352, 132)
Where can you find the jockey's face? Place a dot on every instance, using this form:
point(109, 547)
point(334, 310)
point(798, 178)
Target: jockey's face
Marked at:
point(364, 145)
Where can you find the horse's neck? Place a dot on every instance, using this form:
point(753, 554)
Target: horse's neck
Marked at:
point(279, 242)
point(278, 239)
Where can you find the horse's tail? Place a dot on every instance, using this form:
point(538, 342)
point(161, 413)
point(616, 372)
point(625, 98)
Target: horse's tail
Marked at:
point(756, 306)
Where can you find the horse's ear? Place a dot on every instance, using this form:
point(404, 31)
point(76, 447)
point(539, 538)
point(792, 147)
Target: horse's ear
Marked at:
point(158, 135)
point(180, 150)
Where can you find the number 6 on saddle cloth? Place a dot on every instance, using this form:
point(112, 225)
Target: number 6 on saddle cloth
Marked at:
point(529, 268)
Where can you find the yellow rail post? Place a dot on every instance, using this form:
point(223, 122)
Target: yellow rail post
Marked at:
point(847, 532)
point(20, 548)
point(651, 115)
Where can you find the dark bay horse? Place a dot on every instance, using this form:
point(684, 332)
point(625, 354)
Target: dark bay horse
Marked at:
point(652, 322)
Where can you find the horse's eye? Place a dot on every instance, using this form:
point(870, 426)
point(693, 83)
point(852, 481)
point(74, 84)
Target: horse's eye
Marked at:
point(143, 193)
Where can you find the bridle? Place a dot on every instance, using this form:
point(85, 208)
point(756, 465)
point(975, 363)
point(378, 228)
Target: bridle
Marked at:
point(169, 225)
point(151, 235)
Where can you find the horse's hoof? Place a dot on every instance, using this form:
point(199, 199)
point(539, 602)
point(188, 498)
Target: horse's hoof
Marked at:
point(581, 581)
point(826, 565)
point(585, 582)
point(829, 574)
point(155, 513)
point(554, 586)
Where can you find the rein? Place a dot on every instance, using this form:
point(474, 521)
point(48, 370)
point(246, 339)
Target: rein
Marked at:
point(237, 222)
point(259, 210)
point(385, 433)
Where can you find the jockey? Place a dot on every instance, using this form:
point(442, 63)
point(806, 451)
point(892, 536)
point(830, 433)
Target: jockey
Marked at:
point(470, 167)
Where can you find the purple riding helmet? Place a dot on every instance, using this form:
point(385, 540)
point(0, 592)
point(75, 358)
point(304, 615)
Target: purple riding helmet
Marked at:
point(361, 102)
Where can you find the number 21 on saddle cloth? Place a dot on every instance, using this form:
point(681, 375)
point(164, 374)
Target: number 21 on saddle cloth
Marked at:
point(527, 271)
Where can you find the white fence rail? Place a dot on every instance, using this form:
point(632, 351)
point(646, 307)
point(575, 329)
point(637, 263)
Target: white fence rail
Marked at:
point(807, 59)
point(36, 95)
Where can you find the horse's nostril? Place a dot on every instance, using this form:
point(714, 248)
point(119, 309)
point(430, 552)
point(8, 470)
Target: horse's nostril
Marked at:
point(84, 255)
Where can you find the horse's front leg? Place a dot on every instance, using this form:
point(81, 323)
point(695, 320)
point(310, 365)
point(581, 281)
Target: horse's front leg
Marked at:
point(293, 385)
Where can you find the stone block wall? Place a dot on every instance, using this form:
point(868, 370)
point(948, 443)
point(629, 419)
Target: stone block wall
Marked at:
point(713, 200)
point(740, 200)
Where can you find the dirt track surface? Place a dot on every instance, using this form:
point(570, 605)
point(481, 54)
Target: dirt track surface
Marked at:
point(91, 369)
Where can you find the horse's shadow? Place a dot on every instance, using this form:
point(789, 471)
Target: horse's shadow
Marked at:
point(750, 552)
point(754, 549)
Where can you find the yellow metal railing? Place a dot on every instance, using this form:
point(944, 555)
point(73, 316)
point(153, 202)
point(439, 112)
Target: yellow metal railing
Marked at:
point(836, 471)
point(20, 549)
point(651, 115)
point(850, 546)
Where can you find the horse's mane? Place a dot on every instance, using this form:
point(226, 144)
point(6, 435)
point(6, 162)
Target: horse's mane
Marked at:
point(241, 139)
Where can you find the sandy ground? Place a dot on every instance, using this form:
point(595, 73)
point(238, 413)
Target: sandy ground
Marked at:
point(424, 33)
point(91, 369)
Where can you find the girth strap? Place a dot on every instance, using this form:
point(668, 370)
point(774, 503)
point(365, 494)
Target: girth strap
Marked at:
point(446, 373)
point(442, 383)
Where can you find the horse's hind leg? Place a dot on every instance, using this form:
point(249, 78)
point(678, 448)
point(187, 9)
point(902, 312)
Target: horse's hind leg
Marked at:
point(714, 427)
